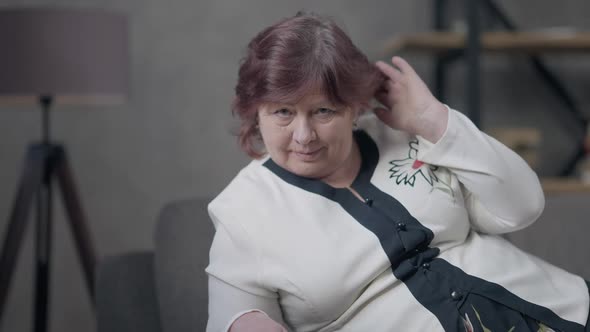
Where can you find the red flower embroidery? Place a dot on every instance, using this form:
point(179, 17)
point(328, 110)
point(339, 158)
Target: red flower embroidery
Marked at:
point(405, 171)
point(417, 164)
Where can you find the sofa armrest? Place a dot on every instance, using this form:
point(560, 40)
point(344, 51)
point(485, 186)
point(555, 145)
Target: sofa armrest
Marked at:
point(182, 239)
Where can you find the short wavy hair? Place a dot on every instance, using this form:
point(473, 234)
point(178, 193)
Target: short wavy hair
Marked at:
point(287, 60)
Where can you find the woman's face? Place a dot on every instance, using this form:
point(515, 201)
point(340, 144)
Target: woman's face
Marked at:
point(312, 138)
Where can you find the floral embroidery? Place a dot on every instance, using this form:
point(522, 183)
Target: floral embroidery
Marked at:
point(469, 326)
point(485, 329)
point(406, 170)
point(544, 328)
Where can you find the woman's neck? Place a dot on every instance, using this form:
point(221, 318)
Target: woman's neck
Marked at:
point(345, 175)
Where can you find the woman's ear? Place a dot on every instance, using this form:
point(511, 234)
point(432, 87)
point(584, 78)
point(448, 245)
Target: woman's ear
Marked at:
point(356, 114)
point(360, 110)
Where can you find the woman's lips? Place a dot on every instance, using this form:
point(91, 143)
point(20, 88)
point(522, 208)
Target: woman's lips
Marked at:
point(308, 156)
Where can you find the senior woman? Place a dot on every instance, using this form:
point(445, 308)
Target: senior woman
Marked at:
point(387, 221)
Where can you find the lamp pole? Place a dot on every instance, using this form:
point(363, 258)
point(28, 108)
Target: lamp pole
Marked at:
point(44, 225)
point(46, 101)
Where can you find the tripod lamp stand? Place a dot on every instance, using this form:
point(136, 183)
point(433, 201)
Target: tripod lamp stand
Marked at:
point(50, 57)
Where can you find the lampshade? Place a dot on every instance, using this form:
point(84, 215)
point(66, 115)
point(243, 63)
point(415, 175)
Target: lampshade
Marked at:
point(77, 56)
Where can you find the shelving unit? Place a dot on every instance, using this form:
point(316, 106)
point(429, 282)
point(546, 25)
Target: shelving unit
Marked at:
point(447, 47)
point(552, 186)
point(499, 41)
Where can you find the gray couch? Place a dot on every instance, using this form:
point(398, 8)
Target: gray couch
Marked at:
point(164, 289)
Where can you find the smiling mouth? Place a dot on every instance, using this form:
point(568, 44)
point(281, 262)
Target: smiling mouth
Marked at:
point(308, 156)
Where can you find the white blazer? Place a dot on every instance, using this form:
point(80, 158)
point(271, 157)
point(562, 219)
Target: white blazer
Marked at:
point(422, 253)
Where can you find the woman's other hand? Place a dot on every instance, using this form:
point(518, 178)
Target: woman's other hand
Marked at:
point(256, 322)
point(409, 104)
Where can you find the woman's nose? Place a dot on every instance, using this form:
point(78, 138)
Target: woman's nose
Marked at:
point(304, 132)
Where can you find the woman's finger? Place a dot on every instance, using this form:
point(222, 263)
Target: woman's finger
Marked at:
point(403, 65)
point(388, 70)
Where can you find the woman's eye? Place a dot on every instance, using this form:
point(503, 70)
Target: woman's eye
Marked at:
point(283, 112)
point(324, 111)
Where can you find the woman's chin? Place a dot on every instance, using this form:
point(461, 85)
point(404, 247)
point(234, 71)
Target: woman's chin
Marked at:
point(311, 170)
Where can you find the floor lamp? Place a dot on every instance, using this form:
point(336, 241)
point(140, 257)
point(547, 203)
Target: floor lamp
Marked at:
point(55, 56)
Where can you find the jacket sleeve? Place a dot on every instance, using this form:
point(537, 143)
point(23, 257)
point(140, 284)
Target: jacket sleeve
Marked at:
point(234, 278)
point(502, 193)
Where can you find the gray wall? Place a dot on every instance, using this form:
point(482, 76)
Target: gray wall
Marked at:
point(172, 139)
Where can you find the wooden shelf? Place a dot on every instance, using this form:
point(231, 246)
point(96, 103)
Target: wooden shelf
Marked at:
point(522, 42)
point(564, 185)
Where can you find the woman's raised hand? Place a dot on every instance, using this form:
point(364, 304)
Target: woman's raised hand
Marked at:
point(256, 322)
point(409, 104)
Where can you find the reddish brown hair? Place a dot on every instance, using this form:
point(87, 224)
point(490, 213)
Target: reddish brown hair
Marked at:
point(293, 57)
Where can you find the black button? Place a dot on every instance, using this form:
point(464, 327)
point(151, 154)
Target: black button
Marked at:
point(456, 295)
point(401, 226)
point(426, 265)
point(369, 201)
